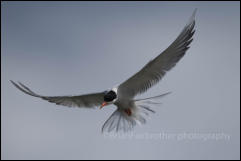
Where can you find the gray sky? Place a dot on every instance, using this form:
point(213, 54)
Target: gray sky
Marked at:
point(67, 48)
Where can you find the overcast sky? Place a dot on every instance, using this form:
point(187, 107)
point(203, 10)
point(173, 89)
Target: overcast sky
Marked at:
point(68, 48)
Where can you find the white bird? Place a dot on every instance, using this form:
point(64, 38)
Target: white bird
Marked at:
point(130, 111)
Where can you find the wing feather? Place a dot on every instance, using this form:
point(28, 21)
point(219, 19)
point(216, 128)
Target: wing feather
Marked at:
point(154, 71)
point(87, 100)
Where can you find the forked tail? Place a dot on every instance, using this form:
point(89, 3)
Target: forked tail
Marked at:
point(122, 121)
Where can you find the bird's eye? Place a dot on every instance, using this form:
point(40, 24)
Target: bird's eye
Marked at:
point(110, 96)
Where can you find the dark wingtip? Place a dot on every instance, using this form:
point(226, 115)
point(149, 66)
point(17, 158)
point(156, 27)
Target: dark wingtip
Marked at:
point(192, 18)
point(194, 12)
point(194, 15)
point(13, 83)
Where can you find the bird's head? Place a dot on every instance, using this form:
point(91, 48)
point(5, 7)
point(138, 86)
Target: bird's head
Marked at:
point(110, 97)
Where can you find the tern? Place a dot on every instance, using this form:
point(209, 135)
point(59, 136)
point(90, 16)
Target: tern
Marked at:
point(130, 111)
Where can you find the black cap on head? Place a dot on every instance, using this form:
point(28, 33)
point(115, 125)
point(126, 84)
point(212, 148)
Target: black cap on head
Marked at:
point(110, 96)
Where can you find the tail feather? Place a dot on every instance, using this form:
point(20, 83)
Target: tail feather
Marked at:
point(154, 97)
point(120, 121)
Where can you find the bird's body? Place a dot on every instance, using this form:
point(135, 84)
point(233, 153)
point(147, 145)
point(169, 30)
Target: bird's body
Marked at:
point(130, 111)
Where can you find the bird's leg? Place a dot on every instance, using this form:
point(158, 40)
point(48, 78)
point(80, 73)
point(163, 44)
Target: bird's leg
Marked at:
point(128, 111)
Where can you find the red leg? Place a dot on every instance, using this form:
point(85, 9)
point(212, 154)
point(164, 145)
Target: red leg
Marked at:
point(128, 111)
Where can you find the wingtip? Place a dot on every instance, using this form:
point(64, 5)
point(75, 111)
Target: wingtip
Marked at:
point(12, 82)
point(170, 92)
point(194, 13)
point(192, 18)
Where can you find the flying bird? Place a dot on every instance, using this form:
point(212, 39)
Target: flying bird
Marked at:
point(130, 111)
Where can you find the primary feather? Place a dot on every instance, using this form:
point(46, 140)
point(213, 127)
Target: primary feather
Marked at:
point(154, 71)
point(87, 100)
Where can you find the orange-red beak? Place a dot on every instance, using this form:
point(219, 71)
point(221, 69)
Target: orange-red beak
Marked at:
point(103, 104)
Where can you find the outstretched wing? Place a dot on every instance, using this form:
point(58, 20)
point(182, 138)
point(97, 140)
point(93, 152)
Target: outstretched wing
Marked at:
point(88, 100)
point(154, 71)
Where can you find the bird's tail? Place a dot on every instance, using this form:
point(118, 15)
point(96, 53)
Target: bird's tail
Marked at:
point(145, 104)
point(154, 98)
point(122, 120)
